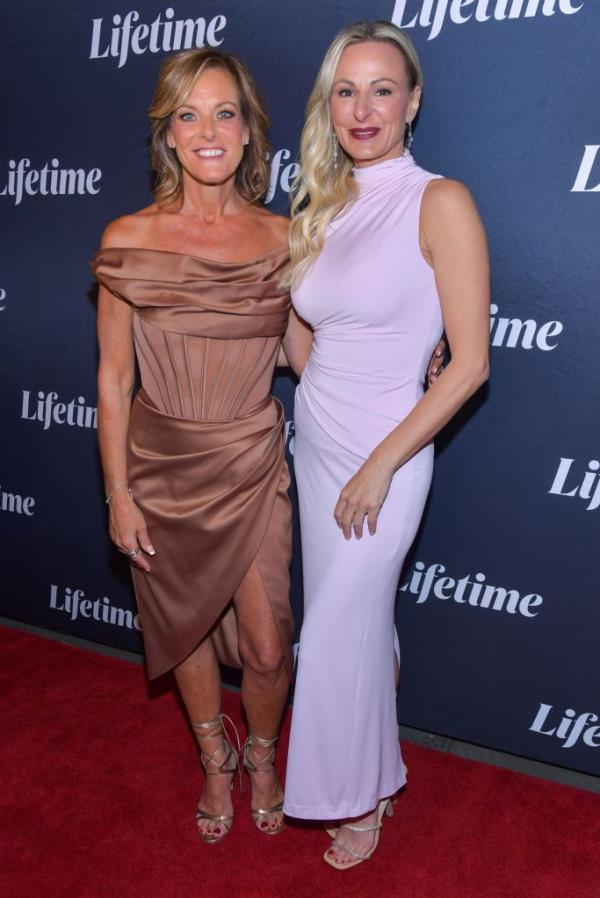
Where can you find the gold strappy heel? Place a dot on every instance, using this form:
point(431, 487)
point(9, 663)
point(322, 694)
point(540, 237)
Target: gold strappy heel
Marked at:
point(229, 765)
point(384, 807)
point(259, 814)
point(333, 830)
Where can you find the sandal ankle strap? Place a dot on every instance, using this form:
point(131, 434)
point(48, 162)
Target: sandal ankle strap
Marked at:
point(216, 727)
point(251, 742)
point(362, 829)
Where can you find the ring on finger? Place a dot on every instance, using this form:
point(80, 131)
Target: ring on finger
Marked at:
point(133, 553)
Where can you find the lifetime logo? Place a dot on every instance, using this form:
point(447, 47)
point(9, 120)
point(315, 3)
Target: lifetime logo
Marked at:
point(283, 173)
point(13, 502)
point(584, 175)
point(74, 604)
point(50, 180)
point(473, 591)
point(513, 333)
point(164, 34)
point(570, 728)
point(587, 488)
point(290, 436)
point(48, 410)
point(434, 13)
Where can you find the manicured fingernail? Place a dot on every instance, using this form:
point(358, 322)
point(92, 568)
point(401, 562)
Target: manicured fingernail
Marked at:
point(151, 550)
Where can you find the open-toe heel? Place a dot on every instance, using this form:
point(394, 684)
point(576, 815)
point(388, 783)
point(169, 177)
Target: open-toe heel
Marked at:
point(262, 765)
point(226, 767)
point(384, 807)
point(389, 812)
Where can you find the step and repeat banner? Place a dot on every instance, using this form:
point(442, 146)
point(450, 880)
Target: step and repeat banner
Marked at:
point(499, 604)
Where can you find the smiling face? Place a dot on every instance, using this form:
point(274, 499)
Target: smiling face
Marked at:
point(371, 101)
point(207, 131)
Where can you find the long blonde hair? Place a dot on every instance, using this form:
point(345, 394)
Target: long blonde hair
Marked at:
point(322, 188)
point(177, 77)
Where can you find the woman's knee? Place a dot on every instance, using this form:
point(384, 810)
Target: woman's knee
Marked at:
point(264, 658)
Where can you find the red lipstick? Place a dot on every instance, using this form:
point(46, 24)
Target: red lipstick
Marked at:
point(364, 133)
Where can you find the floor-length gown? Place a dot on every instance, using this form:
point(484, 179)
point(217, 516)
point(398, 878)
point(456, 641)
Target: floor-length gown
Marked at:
point(205, 446)
point(372, 302)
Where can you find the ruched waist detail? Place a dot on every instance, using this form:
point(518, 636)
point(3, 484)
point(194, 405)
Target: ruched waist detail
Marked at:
point(207, 491)
point(354, 416)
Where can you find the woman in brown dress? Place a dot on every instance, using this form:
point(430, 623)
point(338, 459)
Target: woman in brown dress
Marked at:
point(194, 468)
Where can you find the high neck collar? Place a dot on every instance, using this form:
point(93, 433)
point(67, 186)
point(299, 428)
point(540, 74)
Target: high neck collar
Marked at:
point(379, 172)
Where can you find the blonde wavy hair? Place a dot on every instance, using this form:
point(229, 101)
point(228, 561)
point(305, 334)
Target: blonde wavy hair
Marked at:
point(321, 189)
point(178, 74)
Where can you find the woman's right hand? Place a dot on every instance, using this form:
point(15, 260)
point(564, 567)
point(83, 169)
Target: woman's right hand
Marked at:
point(436, 363)
point(127, 529)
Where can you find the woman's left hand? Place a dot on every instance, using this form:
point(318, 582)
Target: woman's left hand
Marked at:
point(363, 497)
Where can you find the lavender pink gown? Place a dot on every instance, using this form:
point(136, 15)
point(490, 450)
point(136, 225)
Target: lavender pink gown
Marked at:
point(372, 301)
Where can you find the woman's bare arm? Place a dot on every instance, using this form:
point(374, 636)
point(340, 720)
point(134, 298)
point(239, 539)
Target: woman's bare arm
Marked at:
point(296, 344)
point(116, 376)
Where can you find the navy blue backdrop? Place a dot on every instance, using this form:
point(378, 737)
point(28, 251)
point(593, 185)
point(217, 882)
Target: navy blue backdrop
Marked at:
point(498, 609)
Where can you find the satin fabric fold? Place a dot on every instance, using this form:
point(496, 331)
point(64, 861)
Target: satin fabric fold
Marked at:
point(210, 495)
point(206, 443)
point(241, 299)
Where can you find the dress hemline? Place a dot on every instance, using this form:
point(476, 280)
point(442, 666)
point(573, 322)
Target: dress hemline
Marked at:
point(357, 809)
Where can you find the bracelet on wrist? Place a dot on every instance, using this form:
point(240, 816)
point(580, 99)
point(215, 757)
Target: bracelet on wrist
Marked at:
point(119, 486)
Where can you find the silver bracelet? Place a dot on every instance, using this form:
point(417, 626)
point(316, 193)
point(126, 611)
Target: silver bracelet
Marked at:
point(114, 490)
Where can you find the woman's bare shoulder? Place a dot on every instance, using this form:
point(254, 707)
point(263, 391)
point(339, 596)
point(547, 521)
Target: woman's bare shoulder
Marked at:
point(131, 231)
point(443, 196)
point(449, 219)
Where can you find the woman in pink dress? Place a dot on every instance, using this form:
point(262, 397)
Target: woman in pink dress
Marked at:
point(384, 257)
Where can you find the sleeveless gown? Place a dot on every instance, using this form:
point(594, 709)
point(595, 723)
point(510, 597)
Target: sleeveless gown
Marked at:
point(372, 302)
point(205, 445)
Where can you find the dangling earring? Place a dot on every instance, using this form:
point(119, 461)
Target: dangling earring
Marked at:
point(336, 151)
point(408, 138)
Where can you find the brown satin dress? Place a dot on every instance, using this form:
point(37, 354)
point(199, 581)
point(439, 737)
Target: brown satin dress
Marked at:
point(206, 443)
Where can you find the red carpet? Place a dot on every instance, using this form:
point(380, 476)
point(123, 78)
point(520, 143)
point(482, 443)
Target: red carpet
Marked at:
point(100, 784)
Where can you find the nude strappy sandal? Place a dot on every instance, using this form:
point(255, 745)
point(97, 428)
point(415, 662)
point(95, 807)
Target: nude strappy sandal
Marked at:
point(260, 814)
point(384, 807)
point(229, 765)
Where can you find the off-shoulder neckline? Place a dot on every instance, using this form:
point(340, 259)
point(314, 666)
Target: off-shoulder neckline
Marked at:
point(168, 252)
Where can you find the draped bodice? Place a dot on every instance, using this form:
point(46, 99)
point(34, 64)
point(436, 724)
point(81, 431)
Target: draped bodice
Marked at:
point(206, 333)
